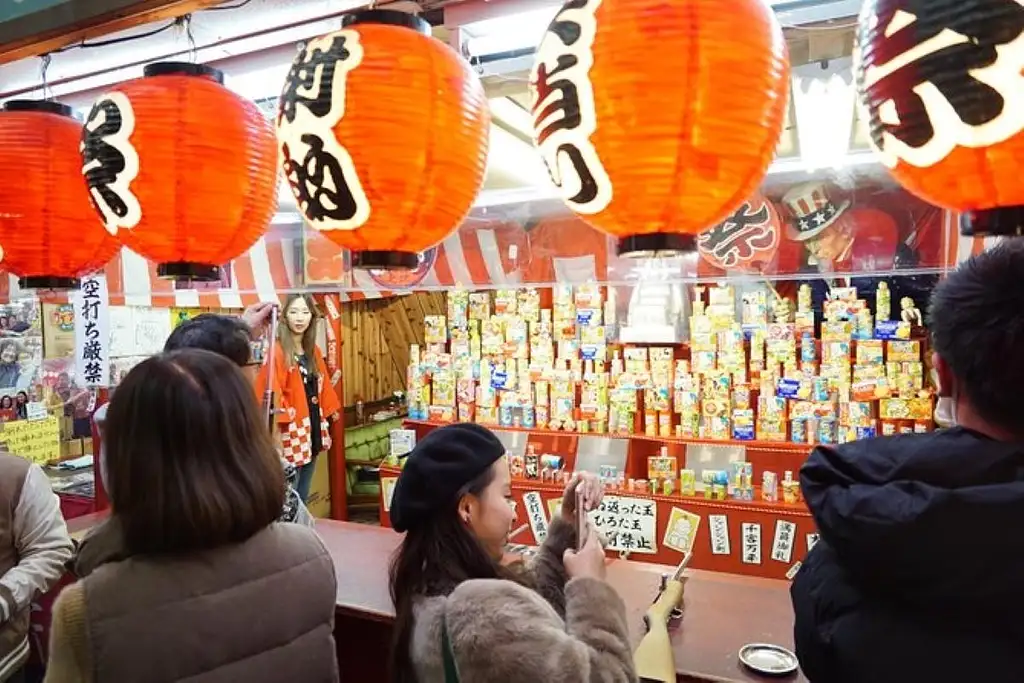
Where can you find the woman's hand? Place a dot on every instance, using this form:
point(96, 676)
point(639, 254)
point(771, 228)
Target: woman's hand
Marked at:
point(588, 561)
point(591, 493)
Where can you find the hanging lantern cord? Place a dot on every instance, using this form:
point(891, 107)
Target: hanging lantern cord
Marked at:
point(184, 23)
point(44, 68)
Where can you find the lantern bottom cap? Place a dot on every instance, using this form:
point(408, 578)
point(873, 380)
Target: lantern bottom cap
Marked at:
point(657, 244)
point(385, 260)
point(56, 282)
point(1002, 221)
point(187, 270)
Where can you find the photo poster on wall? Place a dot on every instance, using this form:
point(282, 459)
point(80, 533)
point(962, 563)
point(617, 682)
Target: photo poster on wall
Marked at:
point(535, 515)
point(629, 524)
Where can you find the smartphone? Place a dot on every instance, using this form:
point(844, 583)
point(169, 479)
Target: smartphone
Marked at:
point(580, 521)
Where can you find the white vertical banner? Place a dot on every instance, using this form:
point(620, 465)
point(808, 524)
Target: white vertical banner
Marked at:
point(92, 332)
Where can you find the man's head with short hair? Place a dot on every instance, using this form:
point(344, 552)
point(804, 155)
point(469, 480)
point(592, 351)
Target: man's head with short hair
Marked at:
point(222, 334)
point(976, 320)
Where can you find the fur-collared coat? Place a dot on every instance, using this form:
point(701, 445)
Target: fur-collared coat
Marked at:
point(567, 631)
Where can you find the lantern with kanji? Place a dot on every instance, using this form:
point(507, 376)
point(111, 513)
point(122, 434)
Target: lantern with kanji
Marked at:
point(943, 85)
point(746, 241)
point(181, 170)
point(658, 119)
point(383, 133)
point(49, 234)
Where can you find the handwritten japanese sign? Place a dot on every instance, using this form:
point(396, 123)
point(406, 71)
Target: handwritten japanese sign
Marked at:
point(629, 524)
point(92, 332)
point(387, 488)
point(562, 105)
point(751, 535)
point(937, 79)
point(111, 162)
point(782, 544)
point(535, 513)
point(37, 440)
point(719, 534)
point(812, 540)
point(681, 530)
point(319, 169)
point(751, 231)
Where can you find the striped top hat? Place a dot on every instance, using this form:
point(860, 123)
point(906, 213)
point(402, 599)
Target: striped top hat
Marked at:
point(812, 209)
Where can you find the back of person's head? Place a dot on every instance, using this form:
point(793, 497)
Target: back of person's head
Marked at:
point(189, 462)
point(222, 334)
point(455, 520)
point(976, 320)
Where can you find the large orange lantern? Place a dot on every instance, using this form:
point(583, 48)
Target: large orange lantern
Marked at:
point(658, 119)
point(383, 133)
point(943, 85)
point(181, 170)
point(49, 234)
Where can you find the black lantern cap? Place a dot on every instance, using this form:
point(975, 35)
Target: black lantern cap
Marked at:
point(183, 69)
point(657, 244)
point(385, 260)
point(388, 17)
point(1003, 221)
point(44, 106)
point(186, 270)
point(55, 282)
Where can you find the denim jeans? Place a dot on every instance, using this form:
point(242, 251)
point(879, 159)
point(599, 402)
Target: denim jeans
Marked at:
point(305, 479)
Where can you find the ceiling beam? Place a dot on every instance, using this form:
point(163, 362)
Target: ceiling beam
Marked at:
point(75, 20)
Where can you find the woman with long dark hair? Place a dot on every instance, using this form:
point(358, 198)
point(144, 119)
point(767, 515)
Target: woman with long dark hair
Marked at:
point(199, 580)
point(305, 397)
point(462, 614)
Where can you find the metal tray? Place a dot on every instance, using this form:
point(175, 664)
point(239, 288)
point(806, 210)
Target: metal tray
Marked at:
point(767, 659)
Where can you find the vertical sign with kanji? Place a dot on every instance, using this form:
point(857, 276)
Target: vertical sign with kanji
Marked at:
point(782, 544)
point(719, 534)
point(92, 332)
point(751, 535)
point(535, 512)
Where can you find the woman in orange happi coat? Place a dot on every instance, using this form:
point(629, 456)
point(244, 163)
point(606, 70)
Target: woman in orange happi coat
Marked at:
point(304, 397)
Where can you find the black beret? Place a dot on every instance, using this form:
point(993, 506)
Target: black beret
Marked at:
point(443, 462)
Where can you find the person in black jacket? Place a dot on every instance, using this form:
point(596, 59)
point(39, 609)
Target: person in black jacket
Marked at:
point(917, 576)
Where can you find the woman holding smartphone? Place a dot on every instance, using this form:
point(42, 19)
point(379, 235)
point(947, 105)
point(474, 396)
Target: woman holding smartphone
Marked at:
point(462, 613)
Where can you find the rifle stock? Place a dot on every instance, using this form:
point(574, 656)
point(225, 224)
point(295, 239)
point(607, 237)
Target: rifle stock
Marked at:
point(653, 658)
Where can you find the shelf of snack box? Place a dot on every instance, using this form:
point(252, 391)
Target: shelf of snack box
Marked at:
point(781, 446)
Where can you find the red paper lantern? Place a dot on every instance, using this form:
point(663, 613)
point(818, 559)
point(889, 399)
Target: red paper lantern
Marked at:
point(383, 133)
point(745, 241)
point(181, 170)
point(943, 85)
point(658, 119)
point(49, 235)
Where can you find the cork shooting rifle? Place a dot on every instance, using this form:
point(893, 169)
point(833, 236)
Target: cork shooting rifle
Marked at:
point(653, 658)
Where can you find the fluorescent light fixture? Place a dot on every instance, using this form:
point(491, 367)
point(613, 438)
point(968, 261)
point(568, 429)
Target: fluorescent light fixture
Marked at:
point(521, 31)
